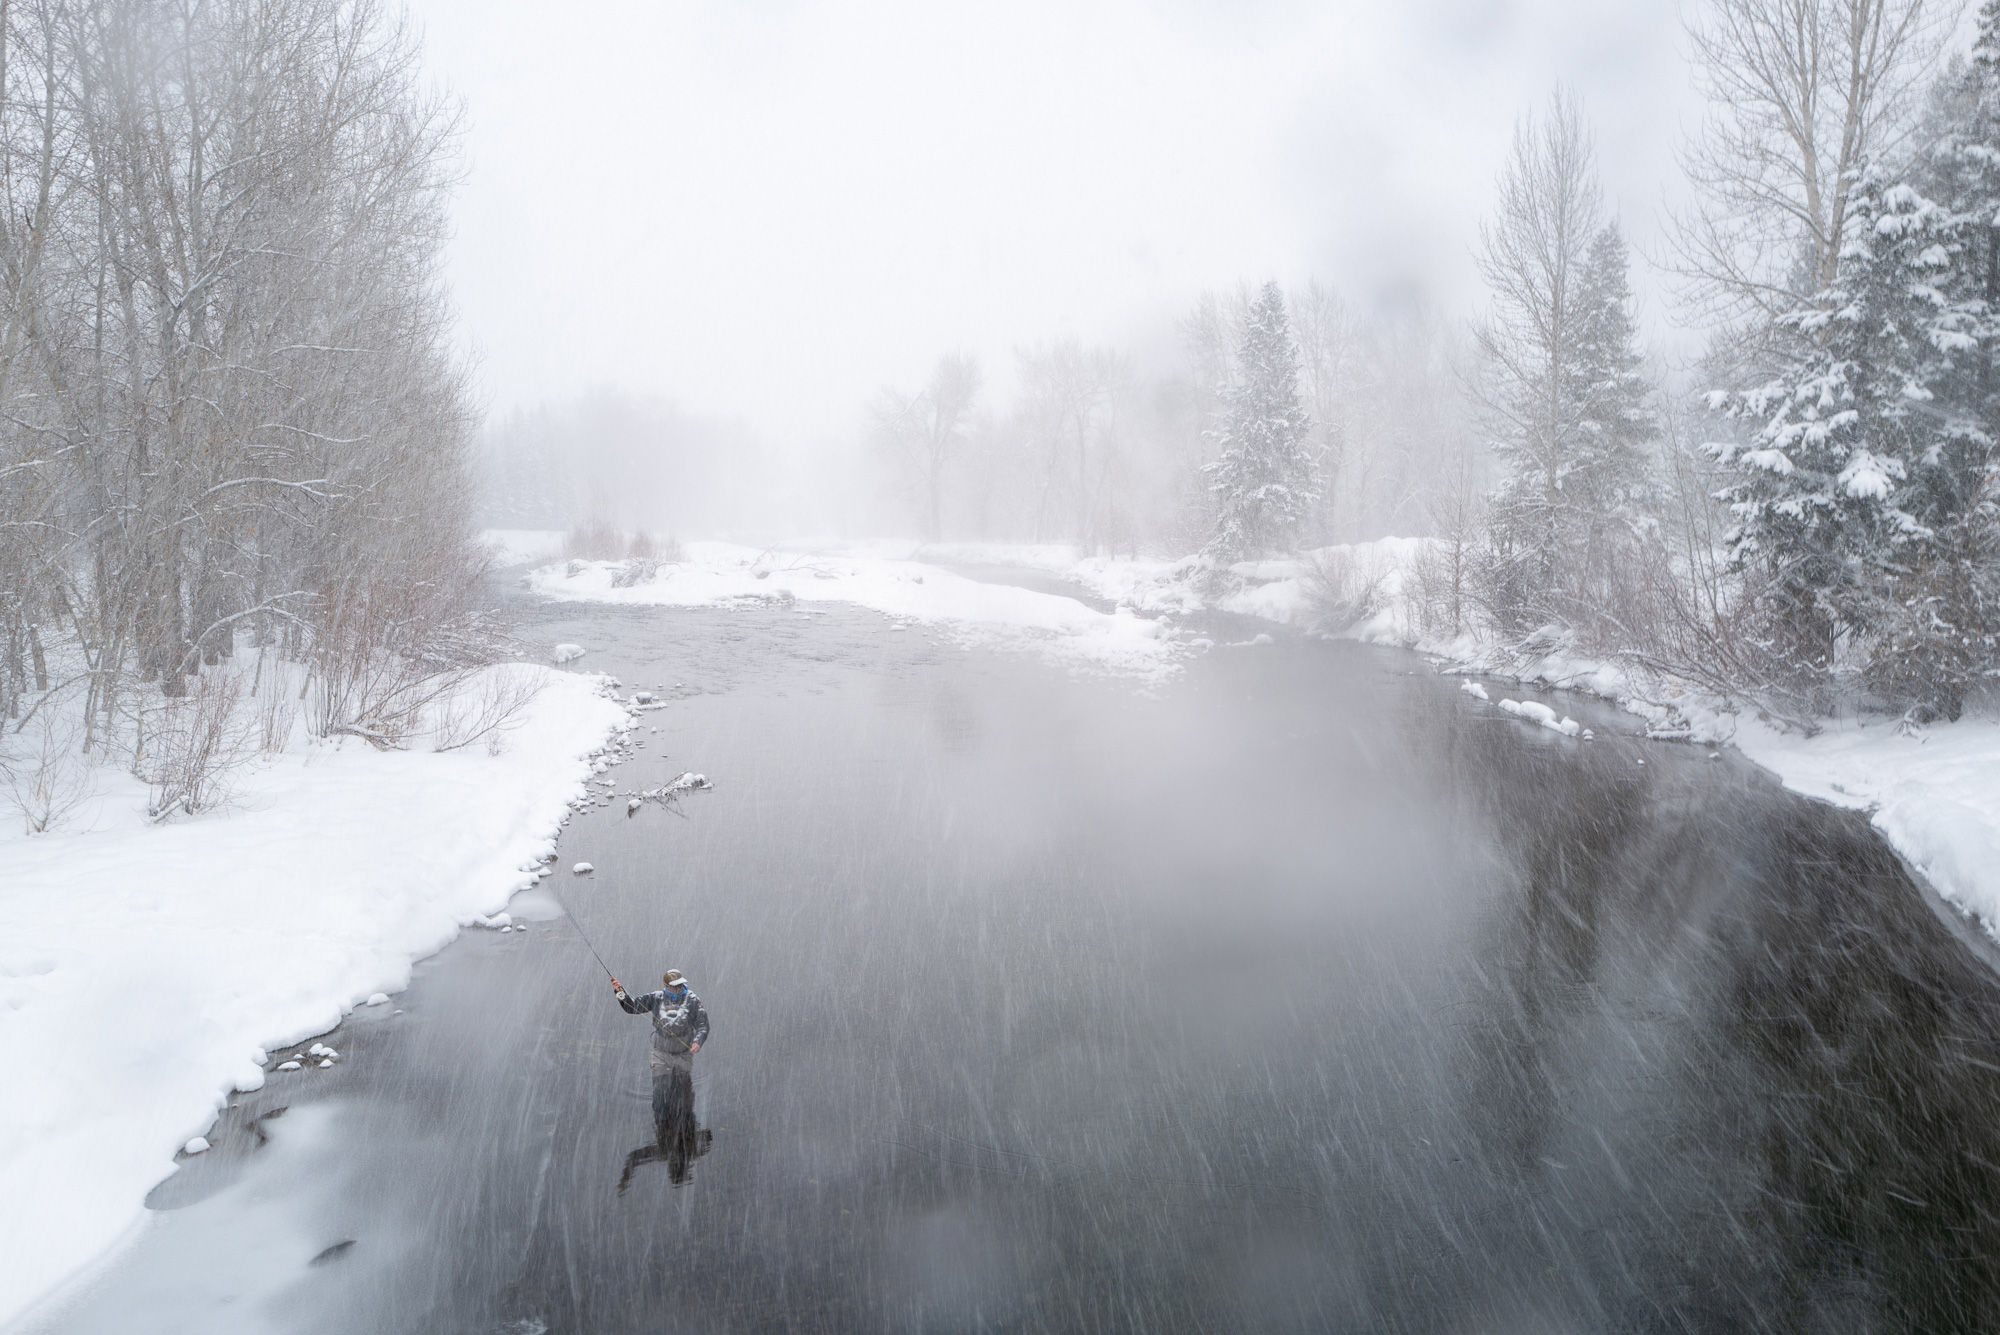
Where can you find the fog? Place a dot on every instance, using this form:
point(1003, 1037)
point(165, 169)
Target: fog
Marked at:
point(762, 212)
point(1279, 665)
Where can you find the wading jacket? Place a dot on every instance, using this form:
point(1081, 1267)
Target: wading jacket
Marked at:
point(654, 1003)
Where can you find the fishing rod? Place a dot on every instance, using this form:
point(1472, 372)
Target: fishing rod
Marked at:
point(578, 924)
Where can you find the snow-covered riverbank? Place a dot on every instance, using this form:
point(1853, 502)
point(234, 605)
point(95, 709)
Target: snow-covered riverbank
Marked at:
point(146, 970)
point(1062, 630)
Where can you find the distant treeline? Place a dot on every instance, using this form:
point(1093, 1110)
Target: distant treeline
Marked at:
point(624, 460)
point(1819, 526)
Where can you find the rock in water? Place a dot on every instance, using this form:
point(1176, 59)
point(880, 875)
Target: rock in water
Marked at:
point(582, 869)
point(568, 653)
point(198, 1145)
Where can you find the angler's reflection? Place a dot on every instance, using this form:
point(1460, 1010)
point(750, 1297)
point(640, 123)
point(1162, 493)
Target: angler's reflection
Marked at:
point(678, 1136)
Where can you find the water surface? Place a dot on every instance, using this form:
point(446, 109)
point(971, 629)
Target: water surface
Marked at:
point(1305, 994)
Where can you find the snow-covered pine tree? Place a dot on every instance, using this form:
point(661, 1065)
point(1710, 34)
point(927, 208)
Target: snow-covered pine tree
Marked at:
point(1606, 469)
point(1937, 627)
point(1265, 479)
point(1847, 493)
point(1573, 510)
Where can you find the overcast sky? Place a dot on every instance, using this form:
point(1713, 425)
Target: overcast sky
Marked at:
point(766, 208)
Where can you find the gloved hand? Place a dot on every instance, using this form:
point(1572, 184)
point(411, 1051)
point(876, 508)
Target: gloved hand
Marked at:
point(618, 987)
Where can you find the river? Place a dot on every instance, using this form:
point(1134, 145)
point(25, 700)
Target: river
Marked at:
point(1303, 993)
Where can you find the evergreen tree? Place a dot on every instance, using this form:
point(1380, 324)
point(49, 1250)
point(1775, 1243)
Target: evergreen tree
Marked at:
point(1265, 479)
point(1605, 471)
point(1870, 454)
point(1572, 509)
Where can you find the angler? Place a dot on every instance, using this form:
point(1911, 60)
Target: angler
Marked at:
point(680, 1027)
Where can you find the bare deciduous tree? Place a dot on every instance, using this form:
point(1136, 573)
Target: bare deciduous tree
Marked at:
point(1070, 404)
point(1801, 92)
point(925, 431)
point(228, 403)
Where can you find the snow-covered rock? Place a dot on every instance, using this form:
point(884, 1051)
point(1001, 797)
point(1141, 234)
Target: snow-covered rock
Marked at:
point(582, 869)
point(1474, 689)
point(378, 998)
point(199, 1145)
point(569, 653)
point(1537, 712)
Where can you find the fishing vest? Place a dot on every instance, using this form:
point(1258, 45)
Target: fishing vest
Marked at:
point(673, 1021)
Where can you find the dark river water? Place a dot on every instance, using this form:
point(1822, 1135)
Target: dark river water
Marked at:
point(1306, 993)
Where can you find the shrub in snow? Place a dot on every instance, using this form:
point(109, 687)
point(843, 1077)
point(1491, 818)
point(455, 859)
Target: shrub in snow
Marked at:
point(1344, 589)
point(641, 571)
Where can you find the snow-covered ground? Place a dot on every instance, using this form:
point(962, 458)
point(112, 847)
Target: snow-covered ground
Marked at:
point(1934, 794)
point(910, 593)
point(146, 970)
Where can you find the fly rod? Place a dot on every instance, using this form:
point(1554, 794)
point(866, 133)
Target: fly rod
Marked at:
point(578, 923)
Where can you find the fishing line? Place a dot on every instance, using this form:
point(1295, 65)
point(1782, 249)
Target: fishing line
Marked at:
point(578, 924)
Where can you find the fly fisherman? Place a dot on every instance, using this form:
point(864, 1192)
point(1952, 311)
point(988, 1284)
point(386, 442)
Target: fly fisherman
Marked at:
point(680, 1027)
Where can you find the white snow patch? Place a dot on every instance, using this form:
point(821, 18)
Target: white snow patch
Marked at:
point(333, 870)
point(1935, 795)
point(1537, 712)
point(1062, 630)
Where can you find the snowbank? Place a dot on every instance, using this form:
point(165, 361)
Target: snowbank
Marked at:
point(1934, 795)
point(145, 970)
point(1062, 630)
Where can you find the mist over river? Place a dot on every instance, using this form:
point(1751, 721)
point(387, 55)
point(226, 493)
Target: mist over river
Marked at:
point(1302, 993)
